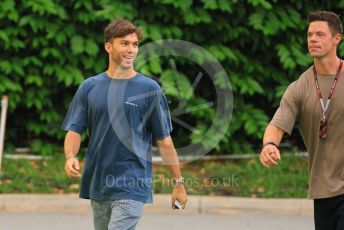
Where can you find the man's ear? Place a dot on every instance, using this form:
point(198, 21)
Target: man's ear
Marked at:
point(337, 38)
point(108, 47)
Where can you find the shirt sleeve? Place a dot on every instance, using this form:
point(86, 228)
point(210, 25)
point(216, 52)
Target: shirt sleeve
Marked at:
point(76, 118)
point(160, 120)
point(289, 108)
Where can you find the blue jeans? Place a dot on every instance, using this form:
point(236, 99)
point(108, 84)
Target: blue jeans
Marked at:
point(117, 214)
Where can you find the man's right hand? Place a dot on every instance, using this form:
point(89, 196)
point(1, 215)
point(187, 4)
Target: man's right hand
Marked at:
point(72, 168)
point(270, 156)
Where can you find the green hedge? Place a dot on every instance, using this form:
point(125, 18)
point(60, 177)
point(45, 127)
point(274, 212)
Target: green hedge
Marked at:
point(48, 47)
point(247, 178)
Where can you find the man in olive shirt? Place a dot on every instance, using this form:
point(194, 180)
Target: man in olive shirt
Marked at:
point(316, 101)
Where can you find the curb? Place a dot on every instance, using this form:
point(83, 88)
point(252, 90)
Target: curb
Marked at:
point(218, 205)
point(42, 203)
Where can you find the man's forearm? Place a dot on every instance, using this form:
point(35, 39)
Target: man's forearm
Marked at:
point(169, 156)
point(72, 144)
point(273, 134)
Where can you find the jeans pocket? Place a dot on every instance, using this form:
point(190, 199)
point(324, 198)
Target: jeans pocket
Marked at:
point(136, 208)
point(131, 207)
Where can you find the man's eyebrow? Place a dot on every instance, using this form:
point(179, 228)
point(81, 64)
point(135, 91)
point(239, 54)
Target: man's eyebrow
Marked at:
point(123, 40)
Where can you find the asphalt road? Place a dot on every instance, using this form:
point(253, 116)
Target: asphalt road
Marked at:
point(156, 221)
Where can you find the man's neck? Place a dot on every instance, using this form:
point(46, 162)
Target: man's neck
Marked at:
point(119, 73)
point(326, 66)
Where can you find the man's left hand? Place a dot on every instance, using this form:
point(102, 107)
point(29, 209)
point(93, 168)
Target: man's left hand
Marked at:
point(179, 193)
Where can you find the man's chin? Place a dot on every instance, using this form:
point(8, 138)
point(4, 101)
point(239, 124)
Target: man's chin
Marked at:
point(316, 55)
point(126, 66)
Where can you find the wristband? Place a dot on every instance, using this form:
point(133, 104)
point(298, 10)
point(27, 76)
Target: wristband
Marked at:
point(69, 157)
point(269, 143)
point(178, 180)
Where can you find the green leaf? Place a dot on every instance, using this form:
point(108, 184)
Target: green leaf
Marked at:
point(182, 4)
point(38, 103)
point(17, 44)
point(272, 24)
point(13, 16)
point(6, 67)
point(4, 37)
point(285, 56)
point(70, 75)
point(154, 32)
point(11, 85)
point(48, 69)
point(50, 116)
point(91, 47)
point(295, 16)
point(51, 52)
point(7, 5)
point(60, 38)
point(109, 10)
point(223, 53)
point(225, 5)
point(176, 84)
point(77, 44)
point(256, 20)
point(18, 68)
point(255, 121)
point(210, 4)
point(254, 86)
point(197, 15)
point(34, 79)
point(155, 66)
point(197, 55)
point(41, 7)
point(203, 15)
point(263, 3)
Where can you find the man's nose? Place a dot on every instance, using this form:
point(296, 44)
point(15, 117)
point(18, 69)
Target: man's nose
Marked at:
point(130, 48)
point(312, 38)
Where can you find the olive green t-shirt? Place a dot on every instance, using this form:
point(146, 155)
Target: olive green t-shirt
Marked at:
point(326, 156)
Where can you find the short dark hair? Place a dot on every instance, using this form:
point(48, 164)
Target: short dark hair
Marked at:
point(120, 28)
point(331, 18)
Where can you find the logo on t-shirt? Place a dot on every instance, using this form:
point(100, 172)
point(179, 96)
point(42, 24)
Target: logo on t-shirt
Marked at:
point(130, 103)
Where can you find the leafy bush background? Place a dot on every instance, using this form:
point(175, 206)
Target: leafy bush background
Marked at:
point(48, 47)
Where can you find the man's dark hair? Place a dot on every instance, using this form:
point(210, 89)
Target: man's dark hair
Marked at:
point(331, 18)
point(120, 28)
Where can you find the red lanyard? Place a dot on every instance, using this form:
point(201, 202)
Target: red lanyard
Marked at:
point(325, 107)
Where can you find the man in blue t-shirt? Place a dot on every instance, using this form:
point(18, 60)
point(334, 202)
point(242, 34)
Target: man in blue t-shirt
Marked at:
point(124, 113)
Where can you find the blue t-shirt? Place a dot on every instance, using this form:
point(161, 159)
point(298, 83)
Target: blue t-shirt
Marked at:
point(123, 117)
